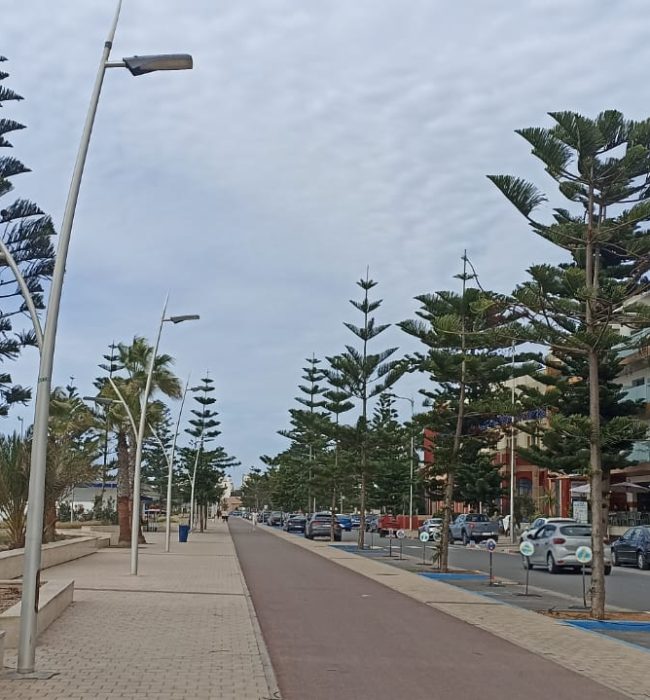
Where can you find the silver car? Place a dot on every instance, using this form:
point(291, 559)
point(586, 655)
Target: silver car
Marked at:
point(555, 547)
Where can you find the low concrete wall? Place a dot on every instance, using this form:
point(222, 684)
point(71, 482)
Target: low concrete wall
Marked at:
point(54, 598)
point(11, 561)
point(112, 531)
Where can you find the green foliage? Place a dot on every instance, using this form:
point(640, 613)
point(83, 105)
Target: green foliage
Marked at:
point(27, 233)
point(14, 483)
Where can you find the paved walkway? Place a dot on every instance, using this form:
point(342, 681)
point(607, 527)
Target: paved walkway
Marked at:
point(183, 628)
point(588, 664)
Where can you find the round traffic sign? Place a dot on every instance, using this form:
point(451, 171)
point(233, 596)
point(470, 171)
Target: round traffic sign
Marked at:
point(401, 534)
point(424, 537)
point(584, 554)
point(527, 548)
point(491, 545)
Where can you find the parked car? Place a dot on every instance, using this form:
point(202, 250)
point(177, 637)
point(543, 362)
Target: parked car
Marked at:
point(633, 547)
point(345, 521)
point(372, 523)
point(295, 522)
point(275, 519)
point(320, 525)
point(263, 516)
point(470, 527)
point(556, 544)
point(539, 523)
point(432, 526)
point(356, 520)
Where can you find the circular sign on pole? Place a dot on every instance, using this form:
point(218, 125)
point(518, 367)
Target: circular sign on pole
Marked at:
point(424, 537)
point(527, 549)
point(401, 534)
point(491, 545)
point(584, 554)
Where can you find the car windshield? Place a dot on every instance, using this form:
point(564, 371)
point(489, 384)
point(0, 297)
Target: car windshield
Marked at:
point(576, 530)
point(477, 518)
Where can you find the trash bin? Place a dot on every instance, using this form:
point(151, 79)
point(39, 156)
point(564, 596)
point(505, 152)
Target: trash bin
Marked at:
point(183, 532)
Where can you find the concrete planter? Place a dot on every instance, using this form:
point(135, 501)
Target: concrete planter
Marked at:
point(11, 561)
point(54, 598)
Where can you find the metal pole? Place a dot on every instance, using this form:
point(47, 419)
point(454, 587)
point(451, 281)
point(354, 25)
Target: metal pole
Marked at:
point(36, 498)
point(513, 536)
point(411, 479)
point(196, 463)
point(168, 507)
point(135, 515)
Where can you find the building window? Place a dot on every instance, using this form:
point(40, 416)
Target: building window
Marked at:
point(524, 486)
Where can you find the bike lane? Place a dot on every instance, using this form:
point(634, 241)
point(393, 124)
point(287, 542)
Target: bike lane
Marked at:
point(332, 633)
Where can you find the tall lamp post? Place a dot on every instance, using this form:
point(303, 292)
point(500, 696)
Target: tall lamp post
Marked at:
point(412, 402)
point(135, 517)
point(170, 472)
point(137, 65)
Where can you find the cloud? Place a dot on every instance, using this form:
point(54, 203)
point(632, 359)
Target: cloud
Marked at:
point(311, 140)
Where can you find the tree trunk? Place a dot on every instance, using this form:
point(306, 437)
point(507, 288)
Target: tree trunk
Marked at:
point(49, 522)
point(123, 490)
point(361, 543)
point(598, 509)
point(124, 519)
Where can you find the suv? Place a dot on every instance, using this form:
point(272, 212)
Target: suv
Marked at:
point(433, 527)
point(320, 525)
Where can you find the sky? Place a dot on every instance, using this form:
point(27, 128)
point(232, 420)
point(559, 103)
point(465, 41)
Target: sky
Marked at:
point(311, 141)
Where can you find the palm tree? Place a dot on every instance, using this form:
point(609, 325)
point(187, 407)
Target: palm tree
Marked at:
point(134, 360)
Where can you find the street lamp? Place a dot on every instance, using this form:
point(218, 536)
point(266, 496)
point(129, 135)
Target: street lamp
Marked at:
point(135, 518)
point(36, 497)
point(412, 402)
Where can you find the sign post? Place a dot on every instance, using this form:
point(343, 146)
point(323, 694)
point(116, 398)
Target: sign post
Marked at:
point(527, 549)
point(424, 538)
point(491, 546)
point(584, 555)
point(391, 534)
point(401, 534)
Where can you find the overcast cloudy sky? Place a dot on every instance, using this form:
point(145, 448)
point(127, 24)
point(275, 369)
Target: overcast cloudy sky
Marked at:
point(313, 138)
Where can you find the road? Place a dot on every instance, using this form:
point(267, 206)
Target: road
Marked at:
point(626, 587)
point(332, 633)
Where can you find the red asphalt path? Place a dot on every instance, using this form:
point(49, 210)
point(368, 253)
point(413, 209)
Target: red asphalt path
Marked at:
point(333, 634)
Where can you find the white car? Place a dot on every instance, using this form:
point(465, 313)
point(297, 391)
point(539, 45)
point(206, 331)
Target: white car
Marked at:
point(540, 522)
point(432, 526)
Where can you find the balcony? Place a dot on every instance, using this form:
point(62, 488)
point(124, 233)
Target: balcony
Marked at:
point(636, 393)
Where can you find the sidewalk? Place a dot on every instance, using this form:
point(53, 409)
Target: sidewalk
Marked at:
point(183, 628)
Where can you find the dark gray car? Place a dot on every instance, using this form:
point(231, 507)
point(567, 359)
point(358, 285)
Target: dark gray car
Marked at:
point(320, 525)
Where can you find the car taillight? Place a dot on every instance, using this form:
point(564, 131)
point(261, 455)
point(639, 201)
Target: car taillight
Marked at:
point(558, 540)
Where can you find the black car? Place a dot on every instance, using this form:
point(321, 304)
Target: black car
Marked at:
point(275, 519)
point(633, 547)
point(320, 525)
point(295, 523)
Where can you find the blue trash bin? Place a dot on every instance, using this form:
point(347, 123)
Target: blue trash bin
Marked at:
point(183, 532)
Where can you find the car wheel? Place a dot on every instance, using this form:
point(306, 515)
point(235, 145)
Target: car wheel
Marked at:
point(641, 561)
point(465, 539)
point(615, 561)
point(526, 562)
point(608, 570)
point(552, 567)
point(337, 539)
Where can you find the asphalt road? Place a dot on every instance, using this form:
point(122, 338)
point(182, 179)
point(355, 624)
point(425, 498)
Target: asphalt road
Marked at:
point(332, 633)
point(626, 587)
